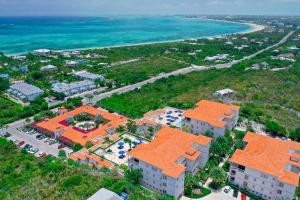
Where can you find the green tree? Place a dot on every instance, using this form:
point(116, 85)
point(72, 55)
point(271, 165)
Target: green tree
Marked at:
point(133, 175)
point(127, 140)
point(131, 126)
point(4, 84)
point(89, 144)
point(77, 147)
point(295, 134)
point(218, 176)
point(62, 154)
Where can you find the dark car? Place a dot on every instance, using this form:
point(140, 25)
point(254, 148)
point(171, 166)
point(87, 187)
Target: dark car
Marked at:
point(61, 146)
point(21, 143)
point(6, 135)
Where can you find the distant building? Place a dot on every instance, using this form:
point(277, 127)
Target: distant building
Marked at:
point(166, 159)
point(216, 57)
point(72, 63)
point(211, 116)
point(89, 76)
point(104, 194)
point(23, 69)
point(5, 76)
point(223, 93)
point(25, 92)
point(41, 52)
point(267, 167)
point(73, 88)
point(48, 68)
point(293, 48)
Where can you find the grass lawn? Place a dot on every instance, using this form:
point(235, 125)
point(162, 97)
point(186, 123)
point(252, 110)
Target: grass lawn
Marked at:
point(9, 110)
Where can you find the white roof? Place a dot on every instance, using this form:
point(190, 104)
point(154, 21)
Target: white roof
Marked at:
point(225, 91)
point(47, 67)
point(88, 75)
point(104, 194)
point(64, 87)
point(26, 88)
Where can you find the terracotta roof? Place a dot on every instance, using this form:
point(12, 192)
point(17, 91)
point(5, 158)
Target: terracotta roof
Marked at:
point(85, 156)
point(169, 145)
point(76, 136)
point(211, 112)
point(268, 155)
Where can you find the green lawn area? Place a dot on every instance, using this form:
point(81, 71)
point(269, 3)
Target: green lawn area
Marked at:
point(24, 176)
point(265, 88)
point(9, 110)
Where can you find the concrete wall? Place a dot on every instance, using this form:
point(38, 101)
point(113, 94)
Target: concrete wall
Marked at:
point(260, 183)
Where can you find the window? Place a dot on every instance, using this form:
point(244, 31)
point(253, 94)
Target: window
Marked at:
point(245, 184)
point(280, 184)
point(232, 172)
point(241, 167)
point(246, 177)
point(264, 176)
point(279, 192)
point(136, 160)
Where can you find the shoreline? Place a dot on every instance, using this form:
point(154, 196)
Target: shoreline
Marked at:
point(252, 28)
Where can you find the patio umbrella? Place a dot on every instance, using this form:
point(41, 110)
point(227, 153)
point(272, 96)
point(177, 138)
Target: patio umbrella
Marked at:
point(122, 152)
point(121, 143)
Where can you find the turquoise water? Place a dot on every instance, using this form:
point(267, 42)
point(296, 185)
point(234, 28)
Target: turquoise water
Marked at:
point(23, 34)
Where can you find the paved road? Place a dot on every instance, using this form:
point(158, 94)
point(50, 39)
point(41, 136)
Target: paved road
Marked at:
point(177, 72)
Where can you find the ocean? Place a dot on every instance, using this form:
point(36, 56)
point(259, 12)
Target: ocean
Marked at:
point(23, 34)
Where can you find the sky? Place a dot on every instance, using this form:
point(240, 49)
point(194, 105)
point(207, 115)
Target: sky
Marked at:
point(147, 7)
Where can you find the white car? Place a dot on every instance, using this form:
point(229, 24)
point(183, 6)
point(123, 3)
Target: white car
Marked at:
point(227, 189)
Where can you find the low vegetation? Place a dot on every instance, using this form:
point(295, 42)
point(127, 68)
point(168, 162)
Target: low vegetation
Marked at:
point(24, 176)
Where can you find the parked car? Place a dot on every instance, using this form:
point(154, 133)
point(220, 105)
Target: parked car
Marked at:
point(61, 146)
point(21, 143)
point(227, 189)
point(6, 135)
point(33, 150)
point(27, 147)
point(42, 154)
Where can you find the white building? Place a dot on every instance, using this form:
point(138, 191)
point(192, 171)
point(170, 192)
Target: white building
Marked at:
point(41, 52)
point(167, 158)
point(267, 167)
point(25, 92)
point(88, 76)
point(216, 57)
point(223, 93)
point(209, 116)
point(73, 88)
point(72, 63)
point(48, 68)
point(105, 194)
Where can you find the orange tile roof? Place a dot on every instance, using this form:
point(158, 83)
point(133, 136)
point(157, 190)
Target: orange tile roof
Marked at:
point(169, 145)
point(269, 155)
point(84, 155)
point(211, 112)
point(75, 136)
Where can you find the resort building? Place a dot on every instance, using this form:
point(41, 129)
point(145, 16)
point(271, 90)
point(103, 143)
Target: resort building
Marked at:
point(72, 63)
point(213, 117)
point(69, 129)
point(89, 76)
point(49, 68)
point(166, 159)
point(223, 93)
point(73, 88)
point(83, 156)
point(25, 92)
point(268, 167)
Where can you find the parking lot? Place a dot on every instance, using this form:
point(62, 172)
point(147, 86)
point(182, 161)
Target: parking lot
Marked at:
point(42, 146)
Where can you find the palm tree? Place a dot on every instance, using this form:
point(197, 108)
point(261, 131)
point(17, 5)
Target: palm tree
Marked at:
point(108, 140)
point(127, 140)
